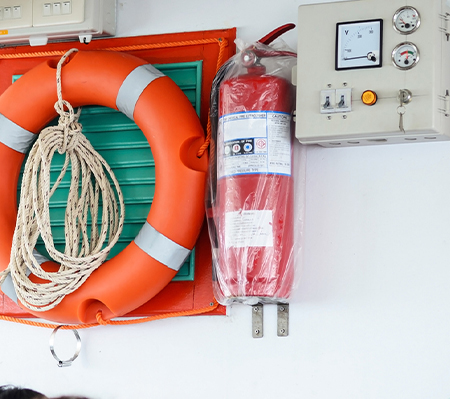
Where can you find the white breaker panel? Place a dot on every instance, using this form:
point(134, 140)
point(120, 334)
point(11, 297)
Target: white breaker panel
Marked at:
point(38, 21)
point(373, 72)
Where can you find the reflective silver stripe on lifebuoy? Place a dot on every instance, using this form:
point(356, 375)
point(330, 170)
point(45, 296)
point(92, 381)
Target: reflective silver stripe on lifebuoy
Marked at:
point(8, 285)
point(133, 86)
point(161, 248)
point(14, 136)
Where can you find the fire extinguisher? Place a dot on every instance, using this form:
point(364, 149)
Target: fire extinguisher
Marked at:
point(252, 200)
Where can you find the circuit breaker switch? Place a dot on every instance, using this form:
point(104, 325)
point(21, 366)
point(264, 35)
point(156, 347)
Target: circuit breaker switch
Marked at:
point(369, 97)
point(47, 9)
point(327, 101)
point(17, 12)
point(66, 7)
point(56, 8)
point(344, 100)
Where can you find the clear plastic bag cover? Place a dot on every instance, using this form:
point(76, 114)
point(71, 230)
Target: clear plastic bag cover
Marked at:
point(255, 214)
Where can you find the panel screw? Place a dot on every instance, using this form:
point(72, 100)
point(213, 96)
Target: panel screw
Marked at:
point(344, 116)
point(257, 332)
point(329, 117)
point(344, 84)
point(281, 308)
point(329, 85)
point(282, 331)
point(255, 309)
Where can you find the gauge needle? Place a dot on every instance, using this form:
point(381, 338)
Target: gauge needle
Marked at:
point(370, 56)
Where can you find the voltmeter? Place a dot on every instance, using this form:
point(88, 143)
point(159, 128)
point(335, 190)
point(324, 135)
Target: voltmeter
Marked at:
point(362, 57)
point(358, 44)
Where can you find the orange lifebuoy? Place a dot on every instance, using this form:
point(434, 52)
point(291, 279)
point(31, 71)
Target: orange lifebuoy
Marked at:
point(172, 128)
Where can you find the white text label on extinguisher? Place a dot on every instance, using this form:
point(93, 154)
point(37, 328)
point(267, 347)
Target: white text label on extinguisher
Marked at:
point(248, 229)
point(254, 142)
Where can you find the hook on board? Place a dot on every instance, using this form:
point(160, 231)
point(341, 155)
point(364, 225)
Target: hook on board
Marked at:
point(86, 39)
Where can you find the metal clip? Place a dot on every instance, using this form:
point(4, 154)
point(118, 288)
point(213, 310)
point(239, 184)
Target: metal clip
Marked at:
point(446, 99)
point(257, 320)
point(283, 320)
point(64, 363)
point(444, 28)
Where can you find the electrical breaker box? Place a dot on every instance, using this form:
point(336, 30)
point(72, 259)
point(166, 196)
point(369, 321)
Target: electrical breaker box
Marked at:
point(373, 72)
point(38, 21)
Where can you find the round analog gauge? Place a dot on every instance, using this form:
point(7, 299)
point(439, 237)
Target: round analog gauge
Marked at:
point(406, 20)
point(405, 55)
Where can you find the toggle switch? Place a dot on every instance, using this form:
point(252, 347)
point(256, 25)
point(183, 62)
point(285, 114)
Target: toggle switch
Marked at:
point(17, 12)
point(7, 13)
point(327, 101)
point(343, 100)
point(56, 8)
point(66, 7)
point(47, 9)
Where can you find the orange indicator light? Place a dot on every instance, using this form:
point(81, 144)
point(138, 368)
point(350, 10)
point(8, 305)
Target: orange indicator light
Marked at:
point(369, 97)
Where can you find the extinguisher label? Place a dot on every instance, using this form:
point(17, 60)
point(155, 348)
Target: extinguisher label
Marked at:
point(254, 142)
point(249, 229)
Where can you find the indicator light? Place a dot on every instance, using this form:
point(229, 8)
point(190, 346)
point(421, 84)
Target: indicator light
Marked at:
point(369, 97)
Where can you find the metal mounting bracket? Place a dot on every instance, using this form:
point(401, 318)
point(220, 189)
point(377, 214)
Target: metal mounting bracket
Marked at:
point(283, 320)
point(257, 320)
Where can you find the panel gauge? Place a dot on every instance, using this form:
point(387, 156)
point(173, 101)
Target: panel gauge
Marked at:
point(405, 55)
point(406, 20)
point(359, 44)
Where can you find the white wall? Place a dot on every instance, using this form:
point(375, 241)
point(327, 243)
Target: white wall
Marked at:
point(370, 318)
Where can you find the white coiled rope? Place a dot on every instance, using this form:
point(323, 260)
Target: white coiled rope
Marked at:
point(82, 254)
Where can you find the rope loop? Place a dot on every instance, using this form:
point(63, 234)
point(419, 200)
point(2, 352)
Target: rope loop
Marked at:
point(100, 320)
point(68, 120)
point(86, 248)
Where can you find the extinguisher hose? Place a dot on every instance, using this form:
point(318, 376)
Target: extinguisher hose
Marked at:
point(214, 119)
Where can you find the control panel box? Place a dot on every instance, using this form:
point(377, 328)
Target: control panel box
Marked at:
point(373, 72)
point(38, 21)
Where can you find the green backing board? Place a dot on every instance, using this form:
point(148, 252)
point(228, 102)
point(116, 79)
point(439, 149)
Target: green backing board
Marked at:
point(126, 150)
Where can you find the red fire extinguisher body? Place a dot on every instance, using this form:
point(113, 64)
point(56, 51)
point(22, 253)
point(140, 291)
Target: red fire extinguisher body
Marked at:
point(255, 187)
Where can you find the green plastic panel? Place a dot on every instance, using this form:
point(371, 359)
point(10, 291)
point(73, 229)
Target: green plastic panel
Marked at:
point(126, 150)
